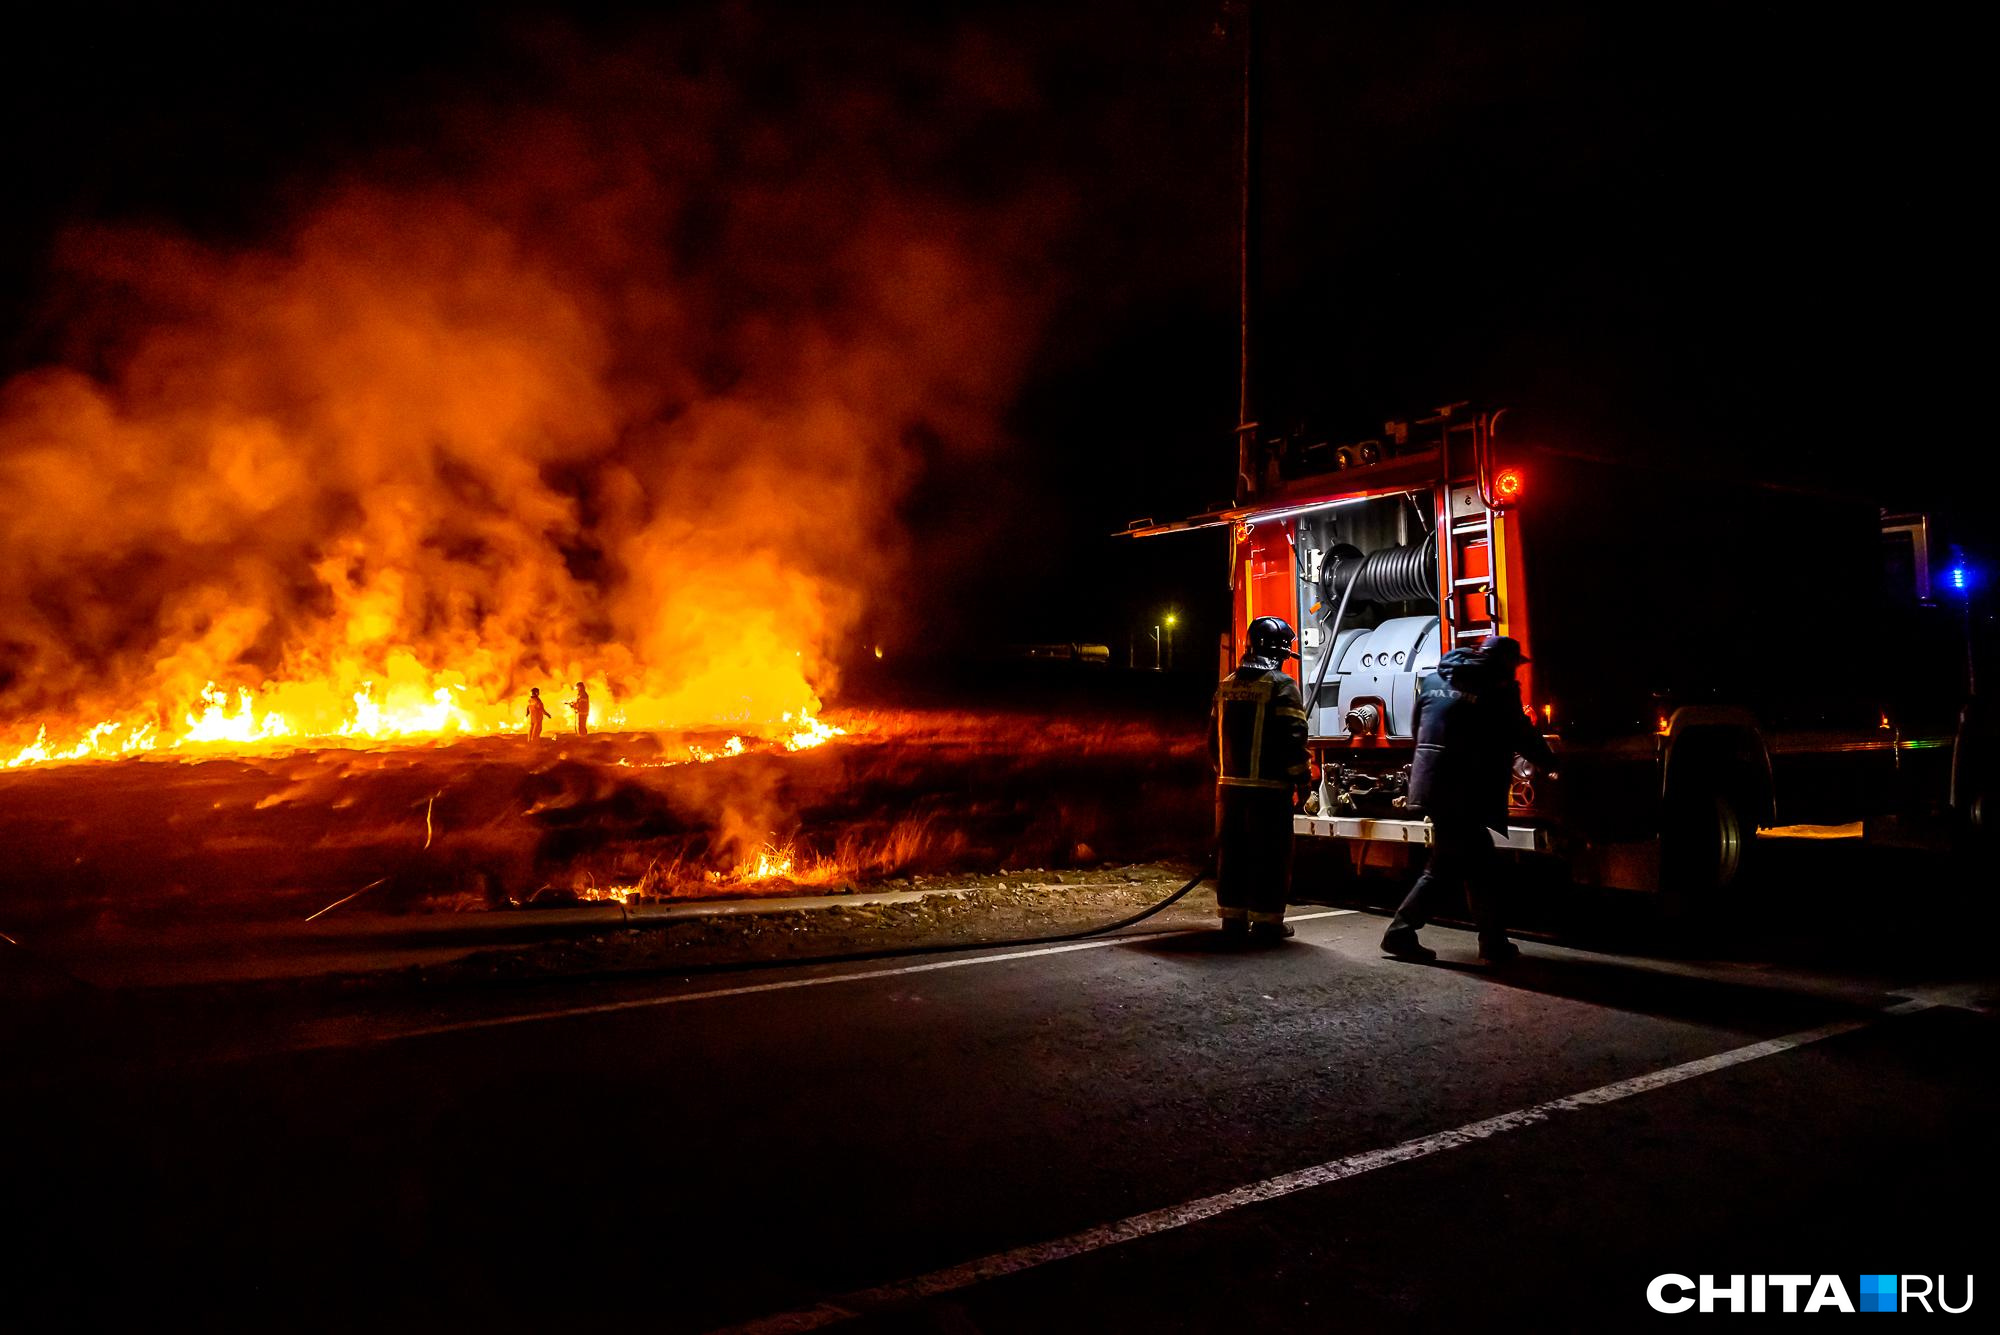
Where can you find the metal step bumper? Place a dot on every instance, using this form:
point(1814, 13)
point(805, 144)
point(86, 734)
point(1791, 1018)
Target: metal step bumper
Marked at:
point(1519, 838)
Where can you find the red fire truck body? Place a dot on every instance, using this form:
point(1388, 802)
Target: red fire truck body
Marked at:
point(1701, 650)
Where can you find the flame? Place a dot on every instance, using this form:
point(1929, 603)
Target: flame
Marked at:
point(772, 862)
point(217, 724)
point(249, 724)
point(812, 732)
point(35, 752)
point(96, 743)
point(808, 732)
point(782, 862)
point(610, 894)
point(701, 755)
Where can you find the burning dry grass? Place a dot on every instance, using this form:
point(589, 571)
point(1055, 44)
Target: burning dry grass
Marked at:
point(492, 821)
point(588, 390)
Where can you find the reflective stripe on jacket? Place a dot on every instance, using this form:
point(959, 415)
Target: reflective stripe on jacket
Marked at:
point(1257, 729)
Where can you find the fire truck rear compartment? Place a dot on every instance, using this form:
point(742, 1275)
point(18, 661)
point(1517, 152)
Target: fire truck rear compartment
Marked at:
point(1368, 590)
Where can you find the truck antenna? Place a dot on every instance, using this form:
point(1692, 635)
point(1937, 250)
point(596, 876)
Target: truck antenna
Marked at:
point(1249, 464)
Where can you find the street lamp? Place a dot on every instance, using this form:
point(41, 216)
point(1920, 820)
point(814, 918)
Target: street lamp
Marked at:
point(1169, 621)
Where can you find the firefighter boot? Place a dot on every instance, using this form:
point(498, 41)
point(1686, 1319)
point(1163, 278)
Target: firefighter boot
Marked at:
point(1401, 943)
point(1271, 933)
point(1498, 950)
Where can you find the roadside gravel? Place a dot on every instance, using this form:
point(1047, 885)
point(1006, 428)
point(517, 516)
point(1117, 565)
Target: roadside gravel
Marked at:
point(956, 910)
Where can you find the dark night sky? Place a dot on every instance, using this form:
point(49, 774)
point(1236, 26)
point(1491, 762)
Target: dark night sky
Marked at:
point(1742, 231)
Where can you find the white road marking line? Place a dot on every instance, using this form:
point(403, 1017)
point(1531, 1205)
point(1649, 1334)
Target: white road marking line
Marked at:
point(786, 984)
point(1001, 1264)
point(1958, 996)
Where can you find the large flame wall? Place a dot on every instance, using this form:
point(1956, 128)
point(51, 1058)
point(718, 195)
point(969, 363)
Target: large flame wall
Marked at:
point(622, 389)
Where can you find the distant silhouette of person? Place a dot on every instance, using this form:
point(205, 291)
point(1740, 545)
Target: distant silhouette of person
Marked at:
point(537, 711)
point(582, 707)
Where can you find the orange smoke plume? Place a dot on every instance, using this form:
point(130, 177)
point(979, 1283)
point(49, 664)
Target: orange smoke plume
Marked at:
point(599, 407)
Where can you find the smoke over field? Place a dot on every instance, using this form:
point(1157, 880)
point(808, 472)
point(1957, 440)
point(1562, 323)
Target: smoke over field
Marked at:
point(620, 383)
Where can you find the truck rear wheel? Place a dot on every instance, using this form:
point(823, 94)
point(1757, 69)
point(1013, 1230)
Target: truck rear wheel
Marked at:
point(1973, 786)
point(1702, 845)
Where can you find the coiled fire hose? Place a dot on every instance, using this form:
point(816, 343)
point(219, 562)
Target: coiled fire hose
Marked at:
point(1386, 575)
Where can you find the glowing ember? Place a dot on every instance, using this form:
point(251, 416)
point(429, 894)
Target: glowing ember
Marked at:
point(609, 894)
point(813, 734)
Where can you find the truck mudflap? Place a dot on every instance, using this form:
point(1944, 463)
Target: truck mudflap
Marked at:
point(1519, 838)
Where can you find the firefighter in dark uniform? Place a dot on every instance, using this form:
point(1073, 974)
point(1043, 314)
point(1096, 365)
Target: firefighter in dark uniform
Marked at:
point(1257, 738)
point(1470, 726)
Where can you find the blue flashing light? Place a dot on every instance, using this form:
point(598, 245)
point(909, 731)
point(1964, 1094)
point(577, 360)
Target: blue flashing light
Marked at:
point(1961, 575)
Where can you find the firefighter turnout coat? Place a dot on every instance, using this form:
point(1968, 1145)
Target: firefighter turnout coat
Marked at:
point(1257, 730)
point(1257, 739)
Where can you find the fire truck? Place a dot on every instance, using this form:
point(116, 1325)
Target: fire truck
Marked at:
point(1710, 657)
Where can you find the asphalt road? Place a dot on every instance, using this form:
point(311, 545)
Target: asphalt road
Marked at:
point(1146, 1134)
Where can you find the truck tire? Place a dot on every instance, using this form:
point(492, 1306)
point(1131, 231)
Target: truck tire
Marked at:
point(1703, 844)
point(1973, 787)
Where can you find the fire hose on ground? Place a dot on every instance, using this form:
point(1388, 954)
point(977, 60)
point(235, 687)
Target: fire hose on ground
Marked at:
point(1206, 871)
point(1052, 938)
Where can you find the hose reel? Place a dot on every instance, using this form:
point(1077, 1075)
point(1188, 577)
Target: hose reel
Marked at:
point(1386, 575)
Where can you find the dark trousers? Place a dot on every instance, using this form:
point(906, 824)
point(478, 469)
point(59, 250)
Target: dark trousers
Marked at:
point(1253, 835)
point(1462, 854)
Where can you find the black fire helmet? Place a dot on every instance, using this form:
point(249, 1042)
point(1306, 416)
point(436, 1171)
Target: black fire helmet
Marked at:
point(1271, 637)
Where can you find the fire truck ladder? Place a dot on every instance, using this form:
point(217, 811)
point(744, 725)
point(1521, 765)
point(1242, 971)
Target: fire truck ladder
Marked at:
point(1471, 609)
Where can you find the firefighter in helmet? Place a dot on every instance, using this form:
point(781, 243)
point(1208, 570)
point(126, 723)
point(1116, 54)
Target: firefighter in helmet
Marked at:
point(1257, 738)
